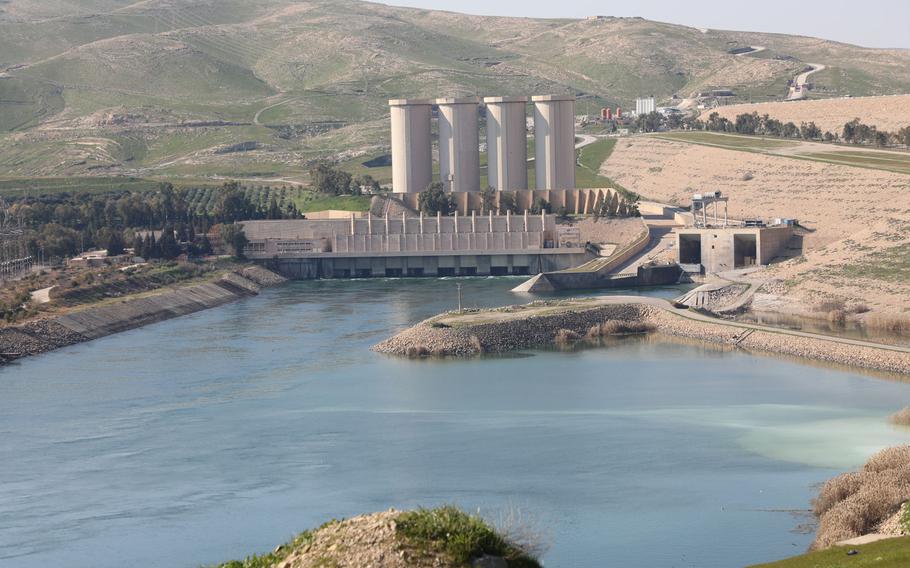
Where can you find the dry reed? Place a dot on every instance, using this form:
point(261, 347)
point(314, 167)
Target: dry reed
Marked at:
point(853, 504)
point(566, 336)
point(901, 417)
point(619, 327)
point(896, 325)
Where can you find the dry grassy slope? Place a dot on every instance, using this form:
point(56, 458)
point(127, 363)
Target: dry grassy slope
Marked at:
point(861, 217)
point(888, 113)
point(341, 60)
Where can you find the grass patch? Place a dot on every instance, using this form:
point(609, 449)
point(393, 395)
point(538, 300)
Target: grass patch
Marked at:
point(729, 141)
point(588, 164)
point(891, 553)
point(872, 160)
point(889, 265)
point(92, 185)
point(311, 201)
point(460, 536)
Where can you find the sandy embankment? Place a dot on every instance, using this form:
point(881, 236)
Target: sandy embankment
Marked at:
point(537, 324)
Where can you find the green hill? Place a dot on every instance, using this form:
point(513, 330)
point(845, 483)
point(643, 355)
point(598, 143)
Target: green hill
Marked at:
point(292, 75)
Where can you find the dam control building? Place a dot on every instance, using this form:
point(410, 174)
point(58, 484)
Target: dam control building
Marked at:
point(506, 141)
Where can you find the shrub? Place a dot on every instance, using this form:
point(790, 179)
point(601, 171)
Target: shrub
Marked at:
point(619, 327)
point(859, 309)
point(837, 317)
point(461, 536)
point(566, 336)
point(896, 325)
point(827, 306)
point(901, 417)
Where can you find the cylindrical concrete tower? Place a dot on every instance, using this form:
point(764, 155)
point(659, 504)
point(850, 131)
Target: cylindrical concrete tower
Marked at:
point(507, 142)
point(554, 133)
point(412, 157)
point(459, 151)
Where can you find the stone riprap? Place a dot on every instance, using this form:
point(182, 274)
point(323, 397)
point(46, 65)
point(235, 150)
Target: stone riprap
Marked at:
point(538, 324)
point(431, 337)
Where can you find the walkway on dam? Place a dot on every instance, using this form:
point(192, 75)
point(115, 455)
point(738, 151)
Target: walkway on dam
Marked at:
point(667, 306)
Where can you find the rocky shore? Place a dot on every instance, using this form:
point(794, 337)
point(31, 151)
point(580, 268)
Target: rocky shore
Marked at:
point(92, 322)
point(533, 328)
point(545, 323)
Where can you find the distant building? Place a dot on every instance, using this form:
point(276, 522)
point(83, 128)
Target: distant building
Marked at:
point(645, 105)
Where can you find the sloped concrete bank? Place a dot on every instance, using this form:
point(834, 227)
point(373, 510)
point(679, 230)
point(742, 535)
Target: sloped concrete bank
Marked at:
point(36, 337)
point(538, 324)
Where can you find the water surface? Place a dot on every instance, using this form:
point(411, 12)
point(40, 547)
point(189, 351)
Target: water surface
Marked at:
point(223, 433)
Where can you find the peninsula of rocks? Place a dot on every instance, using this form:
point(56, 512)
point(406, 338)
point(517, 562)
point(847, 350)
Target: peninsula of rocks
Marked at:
point(540, 324)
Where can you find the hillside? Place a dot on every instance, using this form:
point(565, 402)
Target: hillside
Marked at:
point(887, 113)
point(859, 219)
point(287, 74)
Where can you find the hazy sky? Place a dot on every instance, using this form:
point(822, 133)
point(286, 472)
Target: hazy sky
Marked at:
point(873, 23)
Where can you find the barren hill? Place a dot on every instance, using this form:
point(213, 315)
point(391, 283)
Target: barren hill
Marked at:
point(289, 70)
point(859, 245)
point(887, 113)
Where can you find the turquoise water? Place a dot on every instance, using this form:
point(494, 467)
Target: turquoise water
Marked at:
point(224, 433)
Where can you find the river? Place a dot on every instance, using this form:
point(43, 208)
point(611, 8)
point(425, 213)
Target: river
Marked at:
point(223, 433)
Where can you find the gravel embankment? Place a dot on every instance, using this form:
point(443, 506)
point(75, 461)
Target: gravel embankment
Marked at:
point(425, 339)
point(501, 337)
point(784, 344)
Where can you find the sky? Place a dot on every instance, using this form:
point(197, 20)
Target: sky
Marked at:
point(871, 23)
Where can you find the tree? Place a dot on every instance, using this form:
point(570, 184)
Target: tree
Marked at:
point(747, 123)
point(115, 244)
point(205, 246)
point(435, 200)
point(790, 130)
point(233, 236)
point(809, 131)
point(233, 205)
point(651, 122)
point(488, 199)
point(903, 136)
point(326, 179)
point(539, 206)
point(168, 244)
point(274, 211)
point(507, 203)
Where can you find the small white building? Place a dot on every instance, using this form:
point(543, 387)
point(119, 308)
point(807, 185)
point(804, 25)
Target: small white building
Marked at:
point(645, 105)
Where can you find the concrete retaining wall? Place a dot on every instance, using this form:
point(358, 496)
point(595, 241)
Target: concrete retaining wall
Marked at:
point(41, 336)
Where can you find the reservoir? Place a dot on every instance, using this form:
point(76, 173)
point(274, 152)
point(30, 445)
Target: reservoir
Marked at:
point(223, 433)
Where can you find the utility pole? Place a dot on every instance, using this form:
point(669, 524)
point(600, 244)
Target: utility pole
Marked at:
point(458, 286)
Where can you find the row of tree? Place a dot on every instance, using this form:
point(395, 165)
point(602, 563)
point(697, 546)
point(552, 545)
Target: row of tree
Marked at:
point(63, 225)
point(854, 132)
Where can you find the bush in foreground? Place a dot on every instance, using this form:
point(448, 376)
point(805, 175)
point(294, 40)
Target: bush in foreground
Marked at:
point(856, 503)
point(460, 536)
